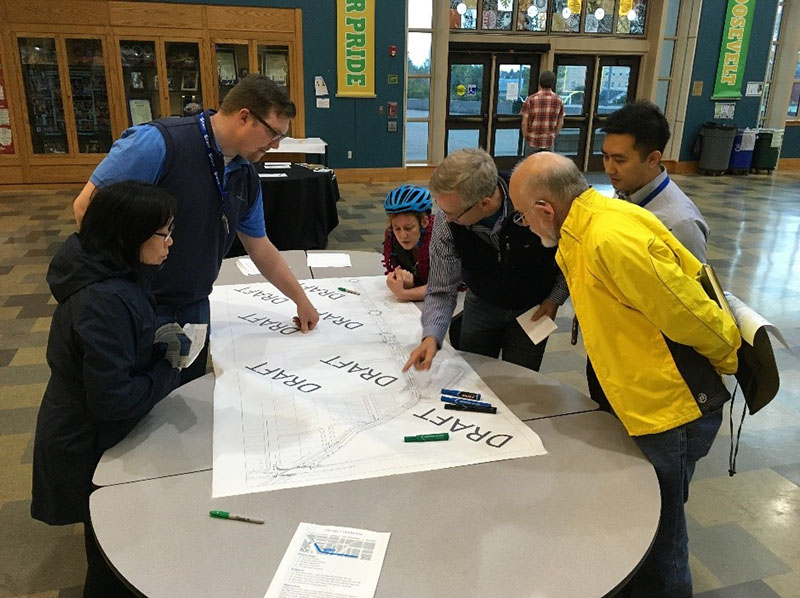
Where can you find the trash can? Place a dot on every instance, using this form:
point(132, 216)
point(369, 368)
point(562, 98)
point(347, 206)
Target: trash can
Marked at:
point(742, 152)
point(716, 143)
point(766, 150)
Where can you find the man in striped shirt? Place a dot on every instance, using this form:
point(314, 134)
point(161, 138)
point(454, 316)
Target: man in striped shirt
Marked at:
point(542, 116)
point(478, 238)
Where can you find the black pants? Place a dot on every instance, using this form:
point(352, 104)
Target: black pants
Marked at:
point(101, 581)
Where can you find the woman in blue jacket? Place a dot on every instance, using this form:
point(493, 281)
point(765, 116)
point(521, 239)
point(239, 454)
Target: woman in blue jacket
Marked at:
point(105, 372)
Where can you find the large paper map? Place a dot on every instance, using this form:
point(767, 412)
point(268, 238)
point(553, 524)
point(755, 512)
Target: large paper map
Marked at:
point(293, 409)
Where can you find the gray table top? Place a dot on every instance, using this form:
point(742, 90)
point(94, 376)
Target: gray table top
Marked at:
point(229, 273)
point(574, 522)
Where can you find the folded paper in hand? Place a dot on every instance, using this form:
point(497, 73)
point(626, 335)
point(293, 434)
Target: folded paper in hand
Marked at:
point(183, 344)
point(537, 330)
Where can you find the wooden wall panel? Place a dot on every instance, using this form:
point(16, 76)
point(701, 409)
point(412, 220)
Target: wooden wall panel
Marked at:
point(245, 18)
point(150, 14)
point(56, 12)
point(58, 173)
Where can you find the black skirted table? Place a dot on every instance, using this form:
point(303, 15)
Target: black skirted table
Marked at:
point(299, 208)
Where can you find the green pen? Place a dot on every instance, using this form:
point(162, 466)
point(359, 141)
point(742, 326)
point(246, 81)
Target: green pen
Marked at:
point(427, 437)
point(227, 515)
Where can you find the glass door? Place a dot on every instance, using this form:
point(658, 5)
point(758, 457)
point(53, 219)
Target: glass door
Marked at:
point(515, 78)
point(39, 60)
point(89, 93)
point(467, 101)
point(184, 83)
point(574, 76)
point(616, 85)
point(140, 79)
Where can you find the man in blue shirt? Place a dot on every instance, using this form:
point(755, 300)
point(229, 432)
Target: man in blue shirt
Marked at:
point(205, 161)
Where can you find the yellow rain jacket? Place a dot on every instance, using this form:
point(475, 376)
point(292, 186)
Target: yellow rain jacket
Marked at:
point(657, 342)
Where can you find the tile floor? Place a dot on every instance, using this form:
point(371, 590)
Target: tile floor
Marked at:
point(743, 530)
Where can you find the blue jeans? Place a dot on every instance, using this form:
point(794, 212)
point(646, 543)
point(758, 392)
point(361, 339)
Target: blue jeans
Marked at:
point(490, 330)
point(198, 312)
point(674, 453)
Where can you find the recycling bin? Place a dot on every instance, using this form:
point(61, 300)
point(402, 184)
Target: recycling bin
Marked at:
point(766, 151)
point(742, 152)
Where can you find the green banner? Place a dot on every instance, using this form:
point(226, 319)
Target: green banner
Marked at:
point(733, 52)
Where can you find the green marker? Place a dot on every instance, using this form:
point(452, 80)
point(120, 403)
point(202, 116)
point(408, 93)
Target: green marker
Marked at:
point(426, 437)
point(227, 515)
point(344, 290)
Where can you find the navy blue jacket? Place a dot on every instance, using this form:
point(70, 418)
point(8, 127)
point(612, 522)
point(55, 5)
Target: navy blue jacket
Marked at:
point(105, 375)
point(201, 239)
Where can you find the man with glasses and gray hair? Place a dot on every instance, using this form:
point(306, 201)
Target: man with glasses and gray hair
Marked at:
point(658, 343)
point(205, 161)
point(478, 240)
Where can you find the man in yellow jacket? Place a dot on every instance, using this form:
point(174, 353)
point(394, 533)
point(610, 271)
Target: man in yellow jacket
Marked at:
point(658, 344)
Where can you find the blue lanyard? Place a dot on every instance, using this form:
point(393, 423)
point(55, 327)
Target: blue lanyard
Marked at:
point(654, 192)
point(201, 120)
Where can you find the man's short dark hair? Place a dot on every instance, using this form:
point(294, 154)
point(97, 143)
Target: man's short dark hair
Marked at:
point(258, 94)
point(121, 217)
point(547, 79)
point(645, 122)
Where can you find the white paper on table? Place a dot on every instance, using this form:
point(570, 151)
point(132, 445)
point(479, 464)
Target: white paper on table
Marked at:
point(330, 562)
point(540, 329)
point(276, 165)
point(333, 405)
point(246, 266)
point(329, 260)
point(272, 175)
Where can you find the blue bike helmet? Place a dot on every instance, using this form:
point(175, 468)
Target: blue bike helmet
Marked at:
point(407, 198)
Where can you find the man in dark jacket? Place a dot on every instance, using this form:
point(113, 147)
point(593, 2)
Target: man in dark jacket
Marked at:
point(507, 270)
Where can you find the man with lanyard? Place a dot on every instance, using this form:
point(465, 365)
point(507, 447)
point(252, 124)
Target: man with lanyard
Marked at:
point(636, 136)
point(478, 238)
point(205, 161)
point(542, 117)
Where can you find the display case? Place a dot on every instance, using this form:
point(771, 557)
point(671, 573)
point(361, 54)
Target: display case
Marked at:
point(89, 91)
point(184, 82)
point(233, 63)
point(39, 60)
point(140, 79)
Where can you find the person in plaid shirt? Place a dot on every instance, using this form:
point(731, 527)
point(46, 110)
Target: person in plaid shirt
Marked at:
point(542, 116)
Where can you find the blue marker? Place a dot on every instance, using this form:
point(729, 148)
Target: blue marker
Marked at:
point(465, 402)
point(461, 394)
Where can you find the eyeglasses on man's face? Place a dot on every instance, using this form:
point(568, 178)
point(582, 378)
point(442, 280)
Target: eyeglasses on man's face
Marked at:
point(276, 136)
point(457, 218)
point(519, 217)
point(167, 235)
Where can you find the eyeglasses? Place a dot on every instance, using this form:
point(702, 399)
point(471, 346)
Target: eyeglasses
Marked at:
point(456, 218)
point(167, 235)
point(276, 136)
point(519, 217)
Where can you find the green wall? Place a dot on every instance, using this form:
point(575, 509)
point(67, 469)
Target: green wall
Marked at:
point(349, 124)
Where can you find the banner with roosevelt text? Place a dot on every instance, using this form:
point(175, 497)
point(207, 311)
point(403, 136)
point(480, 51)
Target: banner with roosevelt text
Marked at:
point(355, 41)
point(733, 50)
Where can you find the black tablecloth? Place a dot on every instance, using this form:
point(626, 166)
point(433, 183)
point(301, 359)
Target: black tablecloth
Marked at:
point(299, 209)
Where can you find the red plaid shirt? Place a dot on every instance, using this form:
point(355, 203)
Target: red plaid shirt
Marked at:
point(544, 109)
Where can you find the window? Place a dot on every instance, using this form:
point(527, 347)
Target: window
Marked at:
point(418, 81)
point(794, 99)
point(768, 75)
point(620, 17)
point(667, 54)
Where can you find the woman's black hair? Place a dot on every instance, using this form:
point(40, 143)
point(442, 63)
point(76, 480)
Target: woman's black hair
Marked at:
point(121, 217)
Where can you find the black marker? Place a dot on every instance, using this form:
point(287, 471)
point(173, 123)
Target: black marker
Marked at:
point(462, 394)
point(475, 409)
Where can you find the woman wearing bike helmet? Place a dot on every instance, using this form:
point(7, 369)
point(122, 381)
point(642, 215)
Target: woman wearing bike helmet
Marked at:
point(405, 245)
